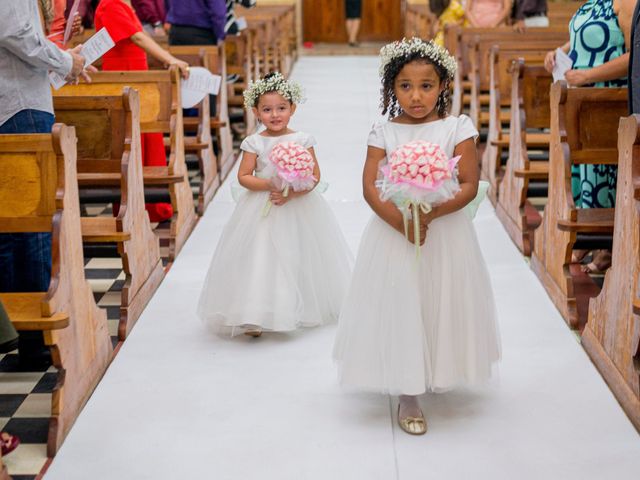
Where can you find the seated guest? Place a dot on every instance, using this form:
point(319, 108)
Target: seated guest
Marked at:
point(449, 12)
point(488, 13)
point(530, 14)
point(151, 14)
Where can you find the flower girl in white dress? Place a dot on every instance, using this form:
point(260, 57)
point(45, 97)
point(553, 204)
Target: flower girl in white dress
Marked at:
point(282, 262)
point(412, 324)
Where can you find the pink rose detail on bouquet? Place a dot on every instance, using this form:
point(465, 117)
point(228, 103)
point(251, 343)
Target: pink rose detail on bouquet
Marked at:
point(417, 176)
point(292, 167)
point(420, 164)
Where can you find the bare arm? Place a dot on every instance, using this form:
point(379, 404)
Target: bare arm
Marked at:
point(612, 70)
point(506, 12)
point(246, 177)
point(387, 211)
point(149, 45)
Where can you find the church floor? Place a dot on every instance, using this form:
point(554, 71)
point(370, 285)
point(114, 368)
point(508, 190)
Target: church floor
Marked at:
point(178, 402)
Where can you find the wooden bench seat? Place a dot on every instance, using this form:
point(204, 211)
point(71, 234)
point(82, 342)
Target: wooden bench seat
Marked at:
point(584, 125)
point(589, 220)
point(73, 326)
point(537, 171)
point(534, 140)
point(25, 312)
point(102, 230)
point(109, 157)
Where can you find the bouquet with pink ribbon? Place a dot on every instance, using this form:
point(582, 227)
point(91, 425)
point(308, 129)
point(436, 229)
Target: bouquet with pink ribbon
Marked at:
point(417, 176)
point(292, 166)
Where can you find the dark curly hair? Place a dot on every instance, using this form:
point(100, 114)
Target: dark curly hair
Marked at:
point(389, 103)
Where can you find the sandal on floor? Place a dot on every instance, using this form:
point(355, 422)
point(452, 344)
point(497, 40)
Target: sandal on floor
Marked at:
point(8, 443)
point(578, 255)
point(599, 264)
point(412, 425)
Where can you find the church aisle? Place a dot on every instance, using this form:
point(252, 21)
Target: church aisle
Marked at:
point(178, 402)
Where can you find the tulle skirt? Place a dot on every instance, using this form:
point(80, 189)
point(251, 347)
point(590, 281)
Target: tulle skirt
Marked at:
point(411, 325)
point(287, 270)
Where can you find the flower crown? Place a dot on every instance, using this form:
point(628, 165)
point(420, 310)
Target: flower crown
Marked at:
point(275, 83)
point(429, 50)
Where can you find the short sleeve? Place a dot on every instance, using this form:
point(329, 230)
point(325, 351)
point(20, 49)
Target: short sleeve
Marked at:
point(376, 137)
point(308, 141)
point(465, 129)
point(251, 144)
point(120, 21)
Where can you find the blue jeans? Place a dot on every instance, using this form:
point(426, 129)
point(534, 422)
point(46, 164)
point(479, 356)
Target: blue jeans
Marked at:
point(25, 258)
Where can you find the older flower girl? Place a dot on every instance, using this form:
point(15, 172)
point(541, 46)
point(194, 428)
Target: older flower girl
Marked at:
point(416, 323)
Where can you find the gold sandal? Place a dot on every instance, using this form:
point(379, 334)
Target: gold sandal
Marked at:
point(412, 425)
point(253, 332)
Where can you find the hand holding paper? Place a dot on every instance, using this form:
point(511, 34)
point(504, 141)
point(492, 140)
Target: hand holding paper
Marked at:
point(201, 82)
point(563, 64)
point(92, 50)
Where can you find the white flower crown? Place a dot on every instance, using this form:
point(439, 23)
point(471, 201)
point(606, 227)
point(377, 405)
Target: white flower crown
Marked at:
point(276, 83)
point(429, 50)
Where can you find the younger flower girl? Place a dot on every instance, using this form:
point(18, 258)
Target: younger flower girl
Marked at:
point(281, 262)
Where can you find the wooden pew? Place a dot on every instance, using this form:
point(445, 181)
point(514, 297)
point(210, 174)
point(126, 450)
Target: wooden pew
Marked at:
point(279, 26)
point(213, 59)
point(470, 44)
point(109, 156)
point(160, 111)
point(420, 22)
point(479, 51)
point(39, 193)
point(529, 109)
point(583, 130)
point(500, 101)
point(240, 61)
point(612, 334)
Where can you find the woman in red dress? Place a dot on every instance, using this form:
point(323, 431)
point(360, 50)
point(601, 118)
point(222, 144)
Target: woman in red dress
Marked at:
point(132, 45)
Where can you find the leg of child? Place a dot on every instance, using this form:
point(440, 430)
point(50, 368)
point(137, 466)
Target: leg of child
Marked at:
point(410, 415)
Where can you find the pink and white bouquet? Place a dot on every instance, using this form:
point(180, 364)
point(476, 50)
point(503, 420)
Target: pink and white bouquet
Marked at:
point(417, 176)
point(292, 166)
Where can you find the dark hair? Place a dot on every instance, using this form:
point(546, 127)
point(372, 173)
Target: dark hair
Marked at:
point(438, 6)
point(389, 103)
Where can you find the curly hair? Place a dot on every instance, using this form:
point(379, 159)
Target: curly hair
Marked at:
point(389, 103)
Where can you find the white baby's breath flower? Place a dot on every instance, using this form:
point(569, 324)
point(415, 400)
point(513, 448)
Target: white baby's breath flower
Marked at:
point(429, 50)
point(276, 83)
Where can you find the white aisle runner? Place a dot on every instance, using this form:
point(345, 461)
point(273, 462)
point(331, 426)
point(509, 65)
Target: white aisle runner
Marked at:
point(180, 403)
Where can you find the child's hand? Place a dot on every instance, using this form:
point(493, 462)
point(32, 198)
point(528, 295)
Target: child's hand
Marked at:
point(423, 231)
point(425, 220)
point(278, 198)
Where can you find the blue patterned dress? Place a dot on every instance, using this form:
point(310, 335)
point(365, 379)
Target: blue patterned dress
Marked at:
point(596, 38)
